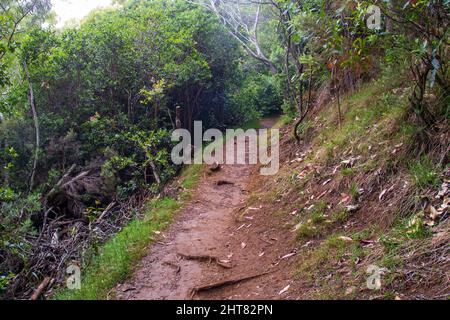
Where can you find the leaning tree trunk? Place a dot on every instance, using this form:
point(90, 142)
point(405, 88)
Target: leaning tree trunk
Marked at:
point(155, 172)
point(36, 125)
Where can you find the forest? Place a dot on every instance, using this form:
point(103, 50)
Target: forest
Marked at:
point(87, 111)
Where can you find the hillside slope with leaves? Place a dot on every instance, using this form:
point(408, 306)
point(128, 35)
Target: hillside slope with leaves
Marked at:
point(365, 194)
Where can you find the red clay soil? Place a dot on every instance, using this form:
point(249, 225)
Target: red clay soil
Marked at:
point(217, 238)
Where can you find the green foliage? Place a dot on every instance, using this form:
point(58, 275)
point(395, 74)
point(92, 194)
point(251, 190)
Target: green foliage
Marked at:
point(15, 226)
point(156, 147)
point(116, 164)
point(121, 73)
point(347, 172)
point(257, 96)
point(14, 16)
point(405, 229)
point(107, 91)
point(6, 194)
point(307, 231)
point(4, 281)
point(415, 227)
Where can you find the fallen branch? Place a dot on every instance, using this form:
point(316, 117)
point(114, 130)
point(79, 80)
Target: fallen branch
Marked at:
point(44, 284)
point(44, 224)
point(224, 283)
point(111, 205)
point(60, 182)
point(78, 177)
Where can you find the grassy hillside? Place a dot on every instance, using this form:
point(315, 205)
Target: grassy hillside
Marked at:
point(365, 191)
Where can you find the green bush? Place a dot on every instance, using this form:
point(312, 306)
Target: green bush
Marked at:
point(258, 96)
point(15, 226)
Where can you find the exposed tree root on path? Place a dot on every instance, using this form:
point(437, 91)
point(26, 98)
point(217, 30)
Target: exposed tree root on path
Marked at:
point(229, 282)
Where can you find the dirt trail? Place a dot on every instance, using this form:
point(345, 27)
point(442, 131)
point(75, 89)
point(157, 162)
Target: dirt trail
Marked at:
point(208, 227)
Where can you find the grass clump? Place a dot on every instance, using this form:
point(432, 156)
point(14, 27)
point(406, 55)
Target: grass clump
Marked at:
point(413, 228)
point(404, 230)
point(354, 191)
point(191, 176)
point(347, 172)
point(316, 224)
point(318, 217)
point(304, 127)
point(423, 173)
point(329, 252)
point(307, 230)
point(341, 215)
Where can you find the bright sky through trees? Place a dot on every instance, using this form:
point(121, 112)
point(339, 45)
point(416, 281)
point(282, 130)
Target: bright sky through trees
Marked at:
point(67, 10)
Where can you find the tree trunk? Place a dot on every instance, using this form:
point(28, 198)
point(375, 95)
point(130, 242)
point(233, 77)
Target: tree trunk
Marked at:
point(130, 110)
point(339, 106)
point(292, 101)
point(36, 125)
point(5, 172)
point(178, 118)
point(155, 172)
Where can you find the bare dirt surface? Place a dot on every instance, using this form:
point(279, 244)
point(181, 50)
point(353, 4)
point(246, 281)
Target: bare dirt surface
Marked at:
point(217, 238)
point(269, 122)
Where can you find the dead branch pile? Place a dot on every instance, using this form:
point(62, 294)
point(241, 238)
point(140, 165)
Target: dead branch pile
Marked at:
point(72, 194)
point(67, 235)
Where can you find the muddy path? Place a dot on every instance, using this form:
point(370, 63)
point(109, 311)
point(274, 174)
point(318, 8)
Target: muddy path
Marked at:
point(215, 238)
